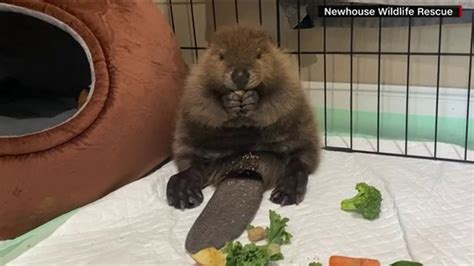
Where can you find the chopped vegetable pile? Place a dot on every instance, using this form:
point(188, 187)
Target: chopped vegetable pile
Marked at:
point(252, 254)
point(367, 202)
point(236, 254)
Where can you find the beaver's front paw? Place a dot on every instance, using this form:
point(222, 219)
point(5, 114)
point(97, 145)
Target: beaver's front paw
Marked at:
point(291, 187)
point(184, 190)
point(249, 102)
point(232, 102)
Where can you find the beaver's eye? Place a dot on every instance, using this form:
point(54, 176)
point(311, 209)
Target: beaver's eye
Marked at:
point(259, 55)
point(221, 56)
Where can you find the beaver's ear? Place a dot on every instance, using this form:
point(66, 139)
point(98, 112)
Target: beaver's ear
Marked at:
point(267, 37)
point(211, 47)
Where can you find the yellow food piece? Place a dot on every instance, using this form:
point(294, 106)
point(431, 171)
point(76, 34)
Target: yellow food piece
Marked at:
point(273, 249)
point(209, 257)
point(256, 234)
point(240, 93)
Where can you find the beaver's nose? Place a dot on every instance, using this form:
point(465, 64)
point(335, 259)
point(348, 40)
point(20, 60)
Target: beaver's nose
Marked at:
point(240, 76)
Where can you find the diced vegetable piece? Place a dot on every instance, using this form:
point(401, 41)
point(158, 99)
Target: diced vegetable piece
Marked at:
point(348, 261)
point(210, 257)
point(256, 234)
point(273, 249)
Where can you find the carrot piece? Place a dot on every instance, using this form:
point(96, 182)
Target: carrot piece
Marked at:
point(348, 261)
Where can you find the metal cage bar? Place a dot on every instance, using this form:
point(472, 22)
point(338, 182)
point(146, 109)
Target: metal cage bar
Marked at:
point(298, 40)
point(236, 6)
point(278, 22)
point(196, 51)
point(351, 88)
point(382, 53)
point(407, 98)
point(325, 81)
point(466, 136)
point(378, 82)
point(438, 74)
point(214, 20)
point(379, 53)
point(354, 52)
point(170, 7)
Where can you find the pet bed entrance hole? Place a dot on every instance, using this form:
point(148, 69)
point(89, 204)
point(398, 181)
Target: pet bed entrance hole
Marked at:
point(44, 67)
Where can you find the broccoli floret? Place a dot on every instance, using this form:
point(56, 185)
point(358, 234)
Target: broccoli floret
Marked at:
point(248, 255)
point(406, 263)
point(367, 202)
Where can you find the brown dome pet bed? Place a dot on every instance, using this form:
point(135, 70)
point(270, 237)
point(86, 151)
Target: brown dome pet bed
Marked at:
point(88, 95)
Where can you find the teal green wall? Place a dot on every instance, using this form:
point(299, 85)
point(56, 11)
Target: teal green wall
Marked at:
point(392, 126)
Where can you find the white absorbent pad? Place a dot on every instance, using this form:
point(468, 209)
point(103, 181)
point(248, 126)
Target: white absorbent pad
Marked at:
point(427, 216)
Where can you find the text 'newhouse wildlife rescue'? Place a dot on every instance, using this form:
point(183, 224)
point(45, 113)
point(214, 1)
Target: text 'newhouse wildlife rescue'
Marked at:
point(390, 11)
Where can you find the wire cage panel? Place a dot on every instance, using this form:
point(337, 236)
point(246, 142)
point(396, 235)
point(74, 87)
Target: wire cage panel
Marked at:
point(402, 91)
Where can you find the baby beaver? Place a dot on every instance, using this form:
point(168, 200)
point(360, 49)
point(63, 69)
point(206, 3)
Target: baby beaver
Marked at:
point(243, 113)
